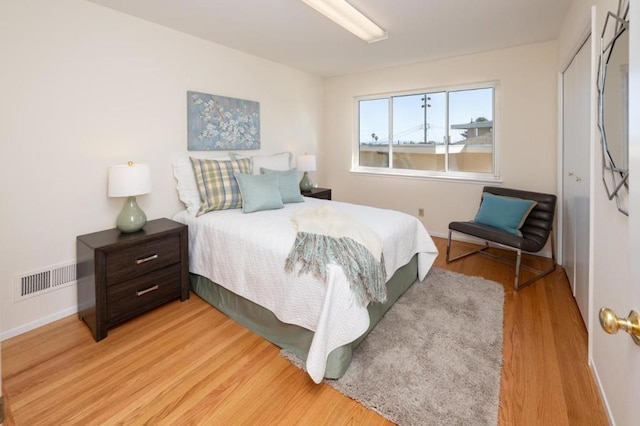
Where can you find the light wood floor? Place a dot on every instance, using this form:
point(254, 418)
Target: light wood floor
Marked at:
point(185, 363)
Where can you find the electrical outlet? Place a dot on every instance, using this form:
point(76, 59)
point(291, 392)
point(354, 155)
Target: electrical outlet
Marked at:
point(421, 212)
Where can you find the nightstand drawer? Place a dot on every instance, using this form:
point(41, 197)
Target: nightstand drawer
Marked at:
point(131, 298)
point(321, 193)
point(140, 259)
point(122, 275)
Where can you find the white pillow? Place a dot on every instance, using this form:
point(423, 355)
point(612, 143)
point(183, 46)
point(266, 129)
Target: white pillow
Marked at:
point(187, 185)
point(280, 161)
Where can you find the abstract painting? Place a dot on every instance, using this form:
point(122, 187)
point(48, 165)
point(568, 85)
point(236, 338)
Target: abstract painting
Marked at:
point(221, 123)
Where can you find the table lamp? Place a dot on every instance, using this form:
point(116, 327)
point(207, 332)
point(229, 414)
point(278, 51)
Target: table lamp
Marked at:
point(306, 163)
point(129, 180)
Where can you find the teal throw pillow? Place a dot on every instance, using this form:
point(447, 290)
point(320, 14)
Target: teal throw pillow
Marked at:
point(505, 213)
point(289, 186)
point(259, 192)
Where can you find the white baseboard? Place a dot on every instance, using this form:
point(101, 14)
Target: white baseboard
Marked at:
point(594, 371)
point(37, 323)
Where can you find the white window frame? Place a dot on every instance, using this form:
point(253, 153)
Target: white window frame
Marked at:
point(429, 174)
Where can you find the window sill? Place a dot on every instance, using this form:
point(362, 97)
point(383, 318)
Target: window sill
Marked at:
point(479, 178)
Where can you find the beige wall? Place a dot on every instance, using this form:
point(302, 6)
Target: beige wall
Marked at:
point(527, 93)
point(527, 77)
point(84, 87)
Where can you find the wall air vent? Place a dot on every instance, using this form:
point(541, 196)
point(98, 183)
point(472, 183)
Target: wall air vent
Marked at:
point(44, 280)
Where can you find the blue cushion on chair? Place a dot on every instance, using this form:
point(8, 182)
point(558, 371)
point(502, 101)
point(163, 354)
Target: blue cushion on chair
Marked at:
point(505, 213)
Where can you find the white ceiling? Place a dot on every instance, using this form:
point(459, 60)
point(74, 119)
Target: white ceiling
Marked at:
point(292, 33)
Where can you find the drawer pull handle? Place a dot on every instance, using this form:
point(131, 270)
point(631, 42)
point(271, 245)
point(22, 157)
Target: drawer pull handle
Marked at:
point(150, 289)
point(146, 259)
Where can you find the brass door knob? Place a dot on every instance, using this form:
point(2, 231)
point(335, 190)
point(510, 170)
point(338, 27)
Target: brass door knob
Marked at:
point(611, 323)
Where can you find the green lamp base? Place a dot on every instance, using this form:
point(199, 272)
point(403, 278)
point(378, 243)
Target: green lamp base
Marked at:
point(306, 184)
point(131, 218)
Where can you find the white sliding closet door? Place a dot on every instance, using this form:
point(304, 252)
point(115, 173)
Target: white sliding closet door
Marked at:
point(576, 132)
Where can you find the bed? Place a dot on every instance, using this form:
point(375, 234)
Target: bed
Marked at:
point(236, 263)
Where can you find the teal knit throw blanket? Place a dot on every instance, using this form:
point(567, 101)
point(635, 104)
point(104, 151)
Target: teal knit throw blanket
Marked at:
point(311, 253)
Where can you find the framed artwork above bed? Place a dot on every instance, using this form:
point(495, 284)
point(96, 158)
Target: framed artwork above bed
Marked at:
point(220, 123)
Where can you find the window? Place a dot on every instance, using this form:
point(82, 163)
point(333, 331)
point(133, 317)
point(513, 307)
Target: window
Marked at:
point(447, 132)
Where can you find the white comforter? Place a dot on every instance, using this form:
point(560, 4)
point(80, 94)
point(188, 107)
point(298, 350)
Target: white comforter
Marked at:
point(246, 254)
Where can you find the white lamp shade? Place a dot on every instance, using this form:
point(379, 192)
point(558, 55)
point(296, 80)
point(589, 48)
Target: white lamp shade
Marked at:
point(128, 180)
point(306, 163)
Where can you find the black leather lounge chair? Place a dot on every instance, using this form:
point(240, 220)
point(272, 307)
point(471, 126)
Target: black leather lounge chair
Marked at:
point(535, 231)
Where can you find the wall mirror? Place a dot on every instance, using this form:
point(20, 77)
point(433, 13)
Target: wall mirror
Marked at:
point(613, 105)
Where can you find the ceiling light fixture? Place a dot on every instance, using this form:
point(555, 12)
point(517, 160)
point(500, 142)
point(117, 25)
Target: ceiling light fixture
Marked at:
point(349, 18)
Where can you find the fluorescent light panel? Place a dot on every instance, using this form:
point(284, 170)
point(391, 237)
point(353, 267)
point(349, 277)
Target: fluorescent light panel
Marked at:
point(349, 18)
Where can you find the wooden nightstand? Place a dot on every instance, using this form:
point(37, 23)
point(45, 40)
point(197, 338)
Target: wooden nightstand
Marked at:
point(322, 193)
point(121, 276)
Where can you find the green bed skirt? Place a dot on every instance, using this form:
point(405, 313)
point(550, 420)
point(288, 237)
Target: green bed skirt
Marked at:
point(291, 337)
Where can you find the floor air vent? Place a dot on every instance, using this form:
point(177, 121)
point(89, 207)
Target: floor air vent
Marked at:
point(44, 280)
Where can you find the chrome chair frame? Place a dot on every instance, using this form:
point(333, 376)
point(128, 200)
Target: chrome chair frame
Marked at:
point(517, 285)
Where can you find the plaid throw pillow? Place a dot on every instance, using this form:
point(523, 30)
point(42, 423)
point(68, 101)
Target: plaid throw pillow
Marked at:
point(217, 186)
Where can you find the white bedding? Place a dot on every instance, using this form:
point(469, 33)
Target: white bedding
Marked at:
point(246, 254)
